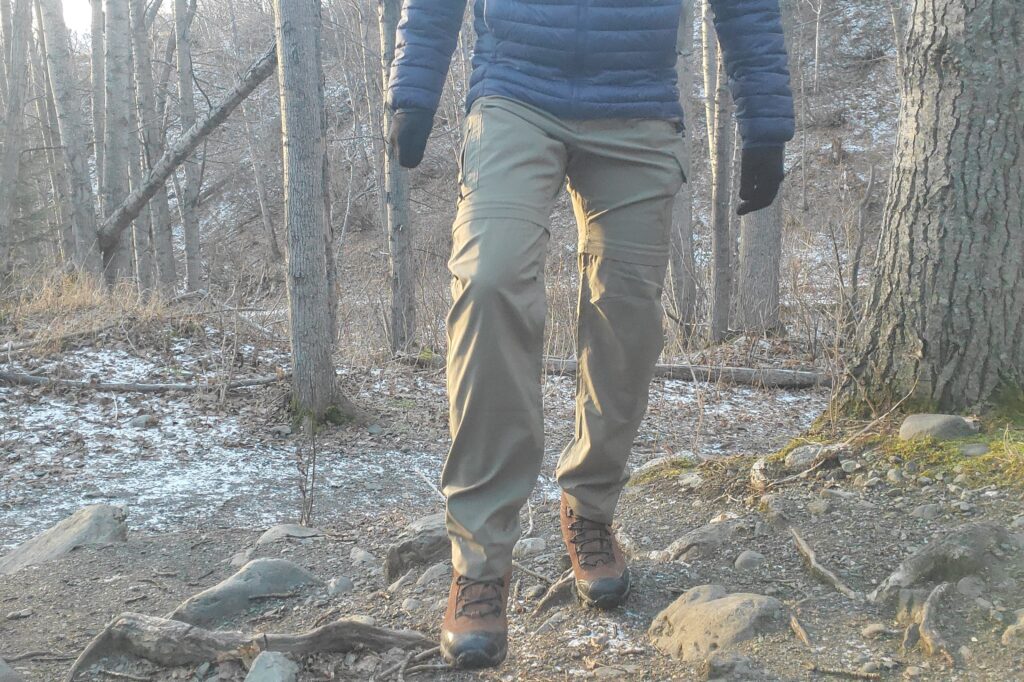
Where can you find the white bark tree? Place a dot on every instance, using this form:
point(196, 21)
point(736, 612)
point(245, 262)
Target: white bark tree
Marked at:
point(117, 261)
point(189, 198)
point(17, 69)
point(97, 70)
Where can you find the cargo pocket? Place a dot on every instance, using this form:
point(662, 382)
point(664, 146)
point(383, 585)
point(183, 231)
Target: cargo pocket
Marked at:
point(469, 156)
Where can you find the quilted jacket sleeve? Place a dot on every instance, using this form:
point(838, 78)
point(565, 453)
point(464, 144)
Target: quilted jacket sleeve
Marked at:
point(427, 35)
point(754, 52)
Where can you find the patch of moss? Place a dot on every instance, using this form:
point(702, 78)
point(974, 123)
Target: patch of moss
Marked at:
point(807, 439)
point(669, 469)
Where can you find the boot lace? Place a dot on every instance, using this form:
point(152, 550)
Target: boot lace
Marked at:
point(478, 598)
point(593, 542)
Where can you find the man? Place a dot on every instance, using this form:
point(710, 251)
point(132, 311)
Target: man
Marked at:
point(583, 90)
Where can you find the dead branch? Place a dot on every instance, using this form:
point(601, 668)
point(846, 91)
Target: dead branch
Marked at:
point(839, 672)
point(404, 663)
point(931, 639)
point(22, 379)
point(172, 643)
point(536, 574)
point(798, 630)
point(124, 676)
point(824, 457)
point(556, 591)
point(819, 571)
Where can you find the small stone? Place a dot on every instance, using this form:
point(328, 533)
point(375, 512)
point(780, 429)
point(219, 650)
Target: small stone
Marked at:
point(1017, 523)
point(365, 620)
point(534, 592)
point(408, 578)
point(966, 654)
point(850, 465)
point(802, 457)
point(691, 481)
point(971, 586)
point(913, 671)
point(527, 547)
point(749, 560)
point(973, 449)
point(872, 482)
point(435, 573)
point(143, 421)
point(551, 623)
point(819, 506)
point(285, 531)
point(1014, 635)
point(411, 604)
point(939, 426)
point(18, 615)
point(375, 429)
point(965, 506)
point(895, 475)
point(870, 667)
point(927, 511)
point(281, 430)
point(422, 543)
point(340, 585)
point(361, 556)
point(272, 666)
point(874, 631)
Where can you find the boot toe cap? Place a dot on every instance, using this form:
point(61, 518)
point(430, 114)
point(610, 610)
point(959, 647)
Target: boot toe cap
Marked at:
point(604, 593)
point(473, 649)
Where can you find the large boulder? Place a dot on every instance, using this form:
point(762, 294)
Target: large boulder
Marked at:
point(272, 666)
point(940, 426)
point(9, 674)
point(423, 542)
point(707, 619)
point(235, 595)
point(93, 525)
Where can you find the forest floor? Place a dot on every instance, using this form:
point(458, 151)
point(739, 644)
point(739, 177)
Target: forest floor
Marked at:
point(202, 474)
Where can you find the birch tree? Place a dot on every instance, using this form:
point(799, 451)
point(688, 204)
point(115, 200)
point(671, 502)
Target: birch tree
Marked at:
point(189, 196)
point(74, 137)
point(946, 311)
point(97, 70)
point(116, 141)
point(21, 25)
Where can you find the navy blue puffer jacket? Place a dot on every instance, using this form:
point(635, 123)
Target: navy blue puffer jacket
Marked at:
point(585, 59)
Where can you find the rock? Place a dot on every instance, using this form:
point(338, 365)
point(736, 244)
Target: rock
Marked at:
point(971, 586)
point(1017, 523)
point(894, 475)
point(615, 672)
point(819, 506)
point(551, 623)
point(666, 461)
point(973, 449)
point(408, 578)
point(802, 457)
point(927, 511)
point(143, 421)
point(8, 674)
point(284, 531)
point(436, 573)
point(281, 430)
point(731, 666)
point(748, 560)
point(272, 666)
point(340, 585)
point(705, 619)
point(359, 555)
point(424, 541)
point(691, 481)
point(19, 615)
point(411, 605)
point(365, 620)
point(849, 466)
point(870, 668)
point(239, 559)
point(1014, 635)
point(234, 595)
point(702, 541)
point(874, 631)
point(527, 547)
point(535, 592)
point(913, 671)
point(92, 525)
point(940, 426)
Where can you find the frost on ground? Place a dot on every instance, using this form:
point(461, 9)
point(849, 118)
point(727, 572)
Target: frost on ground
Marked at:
point(182, 461)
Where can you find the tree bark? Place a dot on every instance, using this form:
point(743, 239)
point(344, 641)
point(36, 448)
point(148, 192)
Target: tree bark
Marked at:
point(297, 29)
point(117, 264)
point(97, 67)
point(152, 144)
point(945, 319)
point(74, 137)
point(681, 267)
point(760, 260)
point(21, 25)
point(145, 264)
point(188, 200)
point(721, 197)
point(396, 191)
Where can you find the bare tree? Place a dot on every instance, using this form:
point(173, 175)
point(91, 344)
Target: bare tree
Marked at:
point(21, 25)
point(189, 196)
point(97, 70)
point(721, 196)
point(74, 136)
point(396, 191)
point(117, 262)
point(760, 260)
point(946, 312)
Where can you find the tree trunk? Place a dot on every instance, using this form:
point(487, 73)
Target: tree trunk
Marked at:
point(143, 225)
point(945, 321)
point(297, 28)
point(396, 191)
point(681, 267)
point(97, 70)
point(21, 25)
point(152, 144)
point(117, 261)
point(74, 136)
point(760, 259)
point(187, 202)
point(721, 197)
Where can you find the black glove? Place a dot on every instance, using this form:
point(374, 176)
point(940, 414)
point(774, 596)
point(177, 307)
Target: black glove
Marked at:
point(760, 177)
point(408, 135)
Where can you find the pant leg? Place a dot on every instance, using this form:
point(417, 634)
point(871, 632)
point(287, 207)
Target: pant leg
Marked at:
point(512, 169)
point(623, 176)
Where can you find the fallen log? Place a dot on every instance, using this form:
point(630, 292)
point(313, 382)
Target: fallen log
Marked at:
point(22, 379)
point(172, 643)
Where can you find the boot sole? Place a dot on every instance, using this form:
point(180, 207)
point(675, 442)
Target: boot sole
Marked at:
point(473, 660)
point(605, 603)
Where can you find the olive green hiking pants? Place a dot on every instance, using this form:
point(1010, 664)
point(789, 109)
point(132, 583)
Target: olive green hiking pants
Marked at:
point(622, 176)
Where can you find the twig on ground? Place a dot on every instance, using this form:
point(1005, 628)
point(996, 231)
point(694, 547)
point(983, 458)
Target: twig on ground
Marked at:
point(276, 595)
point(820, 571)
point(124, 676)
point(426, 667)
point(429, 483)
point(554, 592)
point(49, 655)
point(839, 672)
point(22, 379)
point(931, 639)
point(798, 630)
point(822, 460)
point(535, 574)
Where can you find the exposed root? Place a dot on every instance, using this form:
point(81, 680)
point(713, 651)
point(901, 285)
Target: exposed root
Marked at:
point(172, 643)
point(798, 630)
point(931, 639)
point(839, 672)
point(557, 590)
point(819, 571)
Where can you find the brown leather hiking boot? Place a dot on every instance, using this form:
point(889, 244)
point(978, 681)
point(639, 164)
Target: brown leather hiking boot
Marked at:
point(602, 579)
point(474, 633)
